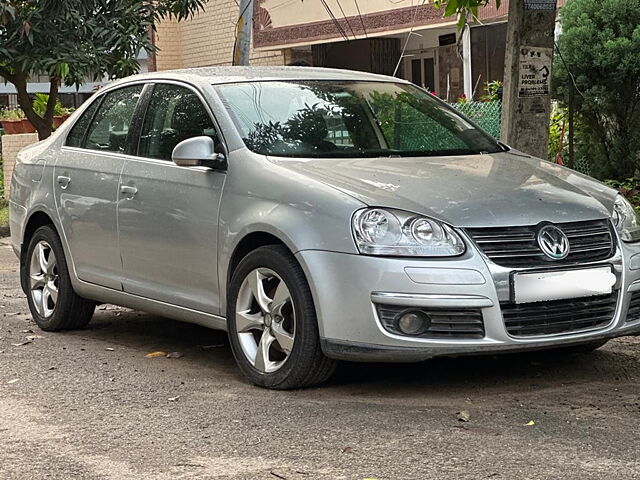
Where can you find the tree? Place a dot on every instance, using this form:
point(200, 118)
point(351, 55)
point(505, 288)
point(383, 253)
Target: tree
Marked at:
point(70, 41)
point(525, 115)
point(599, 49)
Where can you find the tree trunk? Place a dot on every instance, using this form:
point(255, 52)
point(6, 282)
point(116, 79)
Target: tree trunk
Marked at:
point(43, 125)
point(526, 106)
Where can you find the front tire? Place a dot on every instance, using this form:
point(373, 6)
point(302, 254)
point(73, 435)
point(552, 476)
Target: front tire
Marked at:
point(272, 323)
point(52, 301)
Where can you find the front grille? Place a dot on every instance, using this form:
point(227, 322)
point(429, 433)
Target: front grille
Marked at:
point(445, 322)
point(517, 246)
point(558, 316)
point(633, 313)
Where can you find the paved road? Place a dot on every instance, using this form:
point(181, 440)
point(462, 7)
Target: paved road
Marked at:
point(90, 405)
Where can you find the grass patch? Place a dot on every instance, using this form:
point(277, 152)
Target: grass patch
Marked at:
point(4, 213)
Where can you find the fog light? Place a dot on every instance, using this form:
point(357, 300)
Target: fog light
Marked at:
point(413, 322)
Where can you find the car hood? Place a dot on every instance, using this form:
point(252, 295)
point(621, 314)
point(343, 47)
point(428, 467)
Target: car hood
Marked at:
point(502, 189)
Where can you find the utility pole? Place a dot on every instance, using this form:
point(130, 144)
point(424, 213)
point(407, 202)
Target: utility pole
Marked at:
point(526, 106)
point(242, 47)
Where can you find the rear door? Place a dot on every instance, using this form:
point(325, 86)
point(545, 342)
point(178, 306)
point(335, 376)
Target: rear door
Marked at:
point(168, 215)
point(86, 178)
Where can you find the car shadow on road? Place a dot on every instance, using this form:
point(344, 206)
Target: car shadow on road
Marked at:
point(210, 349)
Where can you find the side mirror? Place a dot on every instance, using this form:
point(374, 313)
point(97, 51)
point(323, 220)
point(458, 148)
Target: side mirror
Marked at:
point(198, 152)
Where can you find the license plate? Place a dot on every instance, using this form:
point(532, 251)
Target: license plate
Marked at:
point(559, 285)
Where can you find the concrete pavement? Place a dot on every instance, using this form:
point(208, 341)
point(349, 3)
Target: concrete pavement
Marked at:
point(90, 405)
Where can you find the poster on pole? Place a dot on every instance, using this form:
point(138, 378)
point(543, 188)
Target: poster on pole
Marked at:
point(534, 71)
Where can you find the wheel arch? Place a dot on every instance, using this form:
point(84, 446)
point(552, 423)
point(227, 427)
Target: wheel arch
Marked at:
point(247, 243)
point(37, 219)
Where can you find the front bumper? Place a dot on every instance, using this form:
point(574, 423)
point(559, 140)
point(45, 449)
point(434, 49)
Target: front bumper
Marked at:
point(346, 289)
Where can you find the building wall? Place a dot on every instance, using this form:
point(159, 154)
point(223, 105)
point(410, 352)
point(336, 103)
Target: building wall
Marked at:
point(205, 40)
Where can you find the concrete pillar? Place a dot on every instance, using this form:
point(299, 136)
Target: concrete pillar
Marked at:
point(11, 145)
point(526, 106)
point(466, 63)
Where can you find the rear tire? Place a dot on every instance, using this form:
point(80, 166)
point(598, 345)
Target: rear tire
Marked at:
point(53, 303)
point(272, 322)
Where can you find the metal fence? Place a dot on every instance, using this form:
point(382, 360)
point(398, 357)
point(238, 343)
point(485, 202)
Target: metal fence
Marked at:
point(486, 114)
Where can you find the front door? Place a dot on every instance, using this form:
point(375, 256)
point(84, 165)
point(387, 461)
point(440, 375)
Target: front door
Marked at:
point(422, 69)
point(86, 178)
point(168, 215)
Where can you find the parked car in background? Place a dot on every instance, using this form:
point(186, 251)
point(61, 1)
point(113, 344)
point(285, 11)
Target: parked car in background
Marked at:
point(317, 215)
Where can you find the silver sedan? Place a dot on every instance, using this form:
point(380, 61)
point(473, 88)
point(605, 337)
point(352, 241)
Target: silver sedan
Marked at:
point(317, 215)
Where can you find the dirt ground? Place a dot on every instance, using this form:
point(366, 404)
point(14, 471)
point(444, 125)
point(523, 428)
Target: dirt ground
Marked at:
point(89, 404)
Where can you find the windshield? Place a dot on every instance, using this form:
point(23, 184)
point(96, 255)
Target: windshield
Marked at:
point(348, 119)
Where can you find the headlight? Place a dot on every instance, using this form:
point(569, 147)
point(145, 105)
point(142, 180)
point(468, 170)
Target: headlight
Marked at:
point(625, 220)
point(380, 231)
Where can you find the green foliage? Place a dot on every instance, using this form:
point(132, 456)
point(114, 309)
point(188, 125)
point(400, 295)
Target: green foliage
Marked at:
point(73, 40)
point(76, 39)
point(557, 137)
point(464, 9)
point(40, 105)
point(630, 188)
point(600, 44)
point(11, 114)
point(493, 91)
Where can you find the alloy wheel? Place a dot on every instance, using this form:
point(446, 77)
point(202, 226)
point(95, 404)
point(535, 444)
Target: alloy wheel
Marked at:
point(265, 320)
point(43, 278)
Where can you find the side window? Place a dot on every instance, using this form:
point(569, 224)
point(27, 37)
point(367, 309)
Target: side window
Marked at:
point(174, 114)
point(109, 128)
point(76, 135)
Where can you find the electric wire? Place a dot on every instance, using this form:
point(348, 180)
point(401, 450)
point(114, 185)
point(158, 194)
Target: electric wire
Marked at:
point(364, 29)
point(404, 48)
point(335, 20)
point(346, 19)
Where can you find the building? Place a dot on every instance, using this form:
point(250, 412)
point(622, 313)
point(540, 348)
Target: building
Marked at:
point(371, 35)
point(70, 96)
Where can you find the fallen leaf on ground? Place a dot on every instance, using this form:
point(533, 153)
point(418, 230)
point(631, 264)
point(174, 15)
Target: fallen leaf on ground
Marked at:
point(109, 349)
point(156, 354)
point(13, 381)
point(347, 450)
point(530, 423)
point(463, 416)
point(27, 342)
point(173, 399)
point(33, 337)
point(27, 331)
point(174, 355)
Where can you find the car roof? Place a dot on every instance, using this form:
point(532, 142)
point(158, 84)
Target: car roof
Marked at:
point(220, 75)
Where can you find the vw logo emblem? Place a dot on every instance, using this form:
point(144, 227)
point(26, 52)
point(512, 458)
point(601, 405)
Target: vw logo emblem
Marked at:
point(553, 242)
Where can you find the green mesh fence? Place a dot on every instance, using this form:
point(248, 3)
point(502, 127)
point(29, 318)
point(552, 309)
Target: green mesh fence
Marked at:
point(486, 114)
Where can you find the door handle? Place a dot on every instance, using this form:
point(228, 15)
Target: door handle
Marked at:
point(129, 191)
point(63, 181)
